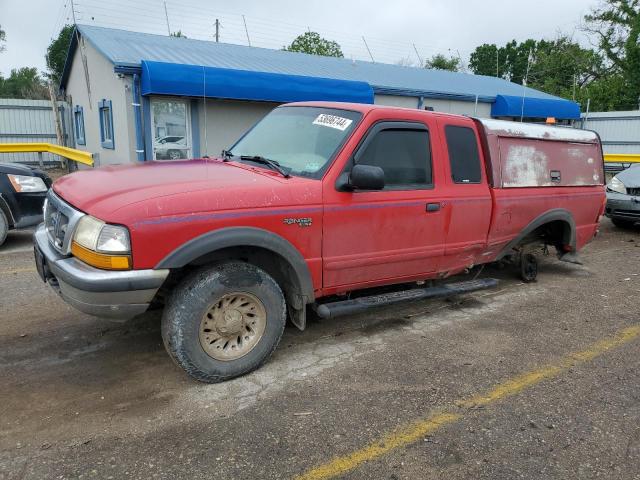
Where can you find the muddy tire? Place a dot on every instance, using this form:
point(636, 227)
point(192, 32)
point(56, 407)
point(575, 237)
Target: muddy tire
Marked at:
point(4, 227)
point(223, 321)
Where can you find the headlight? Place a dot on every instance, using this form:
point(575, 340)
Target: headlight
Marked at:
point(101, 245)
point(26, 184)
point(615, 185)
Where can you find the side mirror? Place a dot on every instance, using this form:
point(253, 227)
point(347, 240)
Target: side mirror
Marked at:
point(366, 177)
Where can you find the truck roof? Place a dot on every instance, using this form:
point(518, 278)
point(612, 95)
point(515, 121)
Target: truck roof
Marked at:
point(501, 128)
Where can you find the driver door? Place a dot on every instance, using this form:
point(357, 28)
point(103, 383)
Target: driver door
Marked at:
point(391, 235)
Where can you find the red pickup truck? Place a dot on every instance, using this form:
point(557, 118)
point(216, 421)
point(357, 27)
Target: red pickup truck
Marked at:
point(317, 201)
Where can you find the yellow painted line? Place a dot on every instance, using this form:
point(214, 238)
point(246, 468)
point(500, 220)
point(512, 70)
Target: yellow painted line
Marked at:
point(621, 158)
point(17, 270)
point(71, 153)
point(418, 429)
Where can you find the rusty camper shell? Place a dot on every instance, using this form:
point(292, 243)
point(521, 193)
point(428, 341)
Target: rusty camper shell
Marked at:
point(529, 155)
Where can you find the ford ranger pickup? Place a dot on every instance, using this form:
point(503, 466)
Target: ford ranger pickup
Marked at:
point(312, 210)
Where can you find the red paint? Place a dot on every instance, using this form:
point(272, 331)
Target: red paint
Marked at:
point(357, 239)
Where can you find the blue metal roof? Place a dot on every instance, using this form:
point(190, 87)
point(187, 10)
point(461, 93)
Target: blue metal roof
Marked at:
point(128, 49)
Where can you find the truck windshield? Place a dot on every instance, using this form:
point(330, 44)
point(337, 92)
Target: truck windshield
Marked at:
point(302, 140)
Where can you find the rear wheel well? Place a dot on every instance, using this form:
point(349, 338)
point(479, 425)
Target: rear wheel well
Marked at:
point(274, 264)
point(557, 233)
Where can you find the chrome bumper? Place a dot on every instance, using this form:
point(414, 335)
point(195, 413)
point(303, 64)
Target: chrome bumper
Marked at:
point(111, 294)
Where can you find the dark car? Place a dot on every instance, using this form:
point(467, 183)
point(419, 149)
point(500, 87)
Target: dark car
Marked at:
point(623, 198)
point(22, 193)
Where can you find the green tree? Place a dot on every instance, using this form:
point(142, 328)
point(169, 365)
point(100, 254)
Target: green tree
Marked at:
point(441, 62)
point(23, 83)
point(616, 26)
point(3, 39)
point(178, 34)
point(57, 53)
point(314, 44)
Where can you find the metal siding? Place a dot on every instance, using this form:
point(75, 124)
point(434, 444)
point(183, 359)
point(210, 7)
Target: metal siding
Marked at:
point(126, 48)
point(27, 121)
point(619, 131)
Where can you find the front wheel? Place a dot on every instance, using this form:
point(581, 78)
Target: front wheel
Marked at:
point(4, 227)
point(224, 321)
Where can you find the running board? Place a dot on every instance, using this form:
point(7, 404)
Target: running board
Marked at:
point(357, 305)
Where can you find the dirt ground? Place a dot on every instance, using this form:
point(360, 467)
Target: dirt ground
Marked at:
point(82, 397)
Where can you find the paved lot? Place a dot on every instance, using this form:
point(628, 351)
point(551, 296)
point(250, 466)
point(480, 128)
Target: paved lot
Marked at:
point(527, 381)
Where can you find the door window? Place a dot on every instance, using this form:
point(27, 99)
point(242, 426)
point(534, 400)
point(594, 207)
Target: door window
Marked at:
point(463, 154)
point(171, 123)
point(403, 154)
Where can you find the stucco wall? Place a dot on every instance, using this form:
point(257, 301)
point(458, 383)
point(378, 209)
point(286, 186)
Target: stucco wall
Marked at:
point(226, 121)
point(439, 105)
point(105, 84)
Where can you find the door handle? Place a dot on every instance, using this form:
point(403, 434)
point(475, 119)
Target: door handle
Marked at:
point(433, 207)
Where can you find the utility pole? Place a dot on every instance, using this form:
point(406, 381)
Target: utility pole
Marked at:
point(419, 57)
point(166, 15)
point(524, 84)
point(73, 12)
point(365, 44)
point(246, 30)
point(217, 30)
point(497, 63)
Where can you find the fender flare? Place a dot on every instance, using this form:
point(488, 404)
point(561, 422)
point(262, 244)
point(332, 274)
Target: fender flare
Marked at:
point(558, 214)
point(243, 237)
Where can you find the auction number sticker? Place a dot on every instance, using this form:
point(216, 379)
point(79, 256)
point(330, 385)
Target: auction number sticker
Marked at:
point(333, 121)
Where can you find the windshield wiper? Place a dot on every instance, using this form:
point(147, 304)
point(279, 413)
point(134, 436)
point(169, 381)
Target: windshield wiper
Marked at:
point(268, 162)
point(226, 155)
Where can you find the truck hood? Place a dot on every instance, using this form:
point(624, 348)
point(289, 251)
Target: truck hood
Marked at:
point(630, 177)
point(155, 188)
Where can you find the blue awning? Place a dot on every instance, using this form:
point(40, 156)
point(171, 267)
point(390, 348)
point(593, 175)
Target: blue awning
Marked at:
point(197, 81)
point(510, 106)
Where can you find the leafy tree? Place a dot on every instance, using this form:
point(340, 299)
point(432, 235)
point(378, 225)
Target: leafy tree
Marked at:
point(178, 34)
point(57, 53)
point(3, 39)
point(314, 44)
point(23, 83)
point(616, 26)
point(441, 62)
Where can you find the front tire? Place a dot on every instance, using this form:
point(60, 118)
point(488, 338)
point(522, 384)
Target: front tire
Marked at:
point(223, 321)
point(4, 227)
point(622, 223)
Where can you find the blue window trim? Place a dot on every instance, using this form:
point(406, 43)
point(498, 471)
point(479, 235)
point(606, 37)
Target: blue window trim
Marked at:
point(102, 105)
point(78, 120)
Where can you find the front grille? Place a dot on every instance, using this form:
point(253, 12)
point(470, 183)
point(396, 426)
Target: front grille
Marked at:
point(633, 191)
point(56, 223)
point(627, 213)
point(60, 220)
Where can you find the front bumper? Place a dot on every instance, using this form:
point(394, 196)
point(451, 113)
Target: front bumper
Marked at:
point(623, 207)
point(111, 294)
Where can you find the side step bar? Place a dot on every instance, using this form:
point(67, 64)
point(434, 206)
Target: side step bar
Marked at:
point(357, 305)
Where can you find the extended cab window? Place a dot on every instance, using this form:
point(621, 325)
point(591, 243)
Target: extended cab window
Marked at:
point(403, 154)
point(463, 154)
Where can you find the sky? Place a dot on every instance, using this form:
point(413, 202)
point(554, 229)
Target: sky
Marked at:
point(390, 28)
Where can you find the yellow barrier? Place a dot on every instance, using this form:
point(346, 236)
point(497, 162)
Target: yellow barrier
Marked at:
point(621, 158)
point(66, 152)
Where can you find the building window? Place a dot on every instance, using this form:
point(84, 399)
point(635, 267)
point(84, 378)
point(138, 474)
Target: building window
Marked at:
point(106, 123)
point(403, 155)
point(171, 123)
point(78, 125)
point(463, 154)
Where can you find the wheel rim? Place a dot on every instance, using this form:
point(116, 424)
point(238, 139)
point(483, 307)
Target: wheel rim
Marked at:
point(232, 326)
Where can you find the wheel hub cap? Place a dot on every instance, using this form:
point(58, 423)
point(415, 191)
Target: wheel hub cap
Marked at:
point(232, 326)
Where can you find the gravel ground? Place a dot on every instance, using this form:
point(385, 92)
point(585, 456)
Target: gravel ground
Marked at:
point(85, 398)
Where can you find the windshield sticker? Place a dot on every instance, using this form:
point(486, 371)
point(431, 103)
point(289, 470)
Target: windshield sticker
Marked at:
point(332, 121)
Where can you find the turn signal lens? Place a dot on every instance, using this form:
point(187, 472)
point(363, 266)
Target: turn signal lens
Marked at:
point(100, 260)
